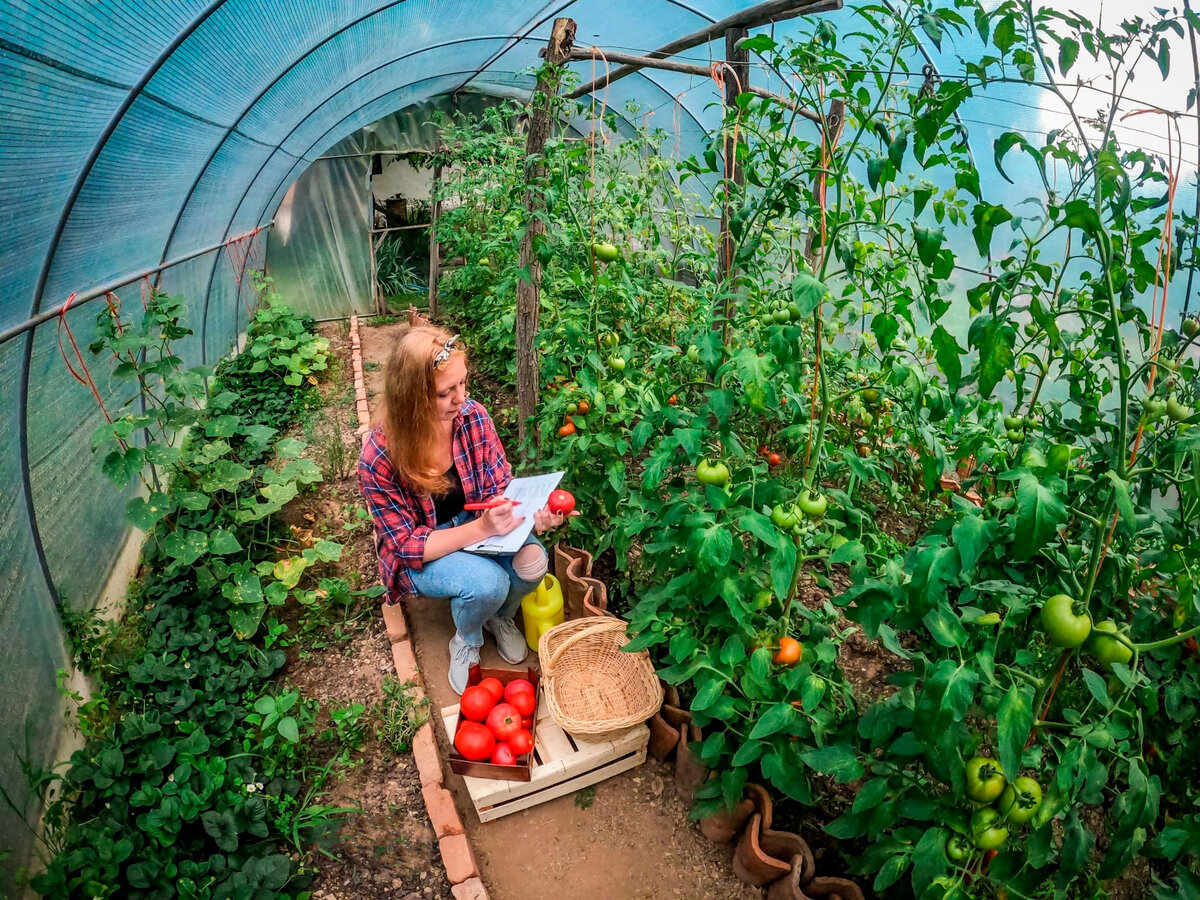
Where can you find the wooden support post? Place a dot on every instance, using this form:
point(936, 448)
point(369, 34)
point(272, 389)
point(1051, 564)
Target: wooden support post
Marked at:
point(528, 289)
point(377, 298)
point(737, 80)
point(435, 252)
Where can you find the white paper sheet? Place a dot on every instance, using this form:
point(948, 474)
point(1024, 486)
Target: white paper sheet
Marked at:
point(532, 492)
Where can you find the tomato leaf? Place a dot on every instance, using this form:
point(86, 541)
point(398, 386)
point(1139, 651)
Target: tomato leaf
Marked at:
point(945, 626)
point(1098, 687)
point(808, 292)
point(707, 695)
point(1039, 513)
point(972, 535)
point(947, 352)
point(929, 860)
point(716, 547)
point(929, 242)
point(783, 561)
point(760, 526)
point(1124, 501)
point(776, 718)
point(1014, 719)
point(994, 339)
point(837, 760)
point(1076, 848)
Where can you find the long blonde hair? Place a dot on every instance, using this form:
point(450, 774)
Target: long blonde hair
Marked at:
point(410, 406)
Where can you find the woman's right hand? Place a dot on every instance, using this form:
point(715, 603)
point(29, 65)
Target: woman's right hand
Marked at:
point(500, 520)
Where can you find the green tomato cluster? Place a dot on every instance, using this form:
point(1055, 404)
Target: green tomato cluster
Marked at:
point(781, 313)
point(1019, 802)
point(1015, 426)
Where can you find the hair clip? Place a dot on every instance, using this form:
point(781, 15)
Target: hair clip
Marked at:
point(444, 353)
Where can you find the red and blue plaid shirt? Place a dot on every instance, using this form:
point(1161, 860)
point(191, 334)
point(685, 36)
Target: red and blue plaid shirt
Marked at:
point(404, 518)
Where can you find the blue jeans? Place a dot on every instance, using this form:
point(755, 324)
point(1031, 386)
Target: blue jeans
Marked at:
point(478, 586)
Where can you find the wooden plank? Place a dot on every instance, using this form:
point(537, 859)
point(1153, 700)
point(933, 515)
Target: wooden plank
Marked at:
point(562, 788)
point(435, 252)
point(553, 741)
point(699, 71)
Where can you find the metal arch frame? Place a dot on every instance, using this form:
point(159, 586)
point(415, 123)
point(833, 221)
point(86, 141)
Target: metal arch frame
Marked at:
point(287, 176)
point(278, 148)
point(44, 276)
point(250, 107)
point(512, 41)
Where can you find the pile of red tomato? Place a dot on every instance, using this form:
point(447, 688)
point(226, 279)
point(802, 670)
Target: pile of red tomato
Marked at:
point(496, 721)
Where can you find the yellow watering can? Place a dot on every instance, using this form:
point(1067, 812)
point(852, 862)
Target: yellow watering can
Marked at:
point(542, 610)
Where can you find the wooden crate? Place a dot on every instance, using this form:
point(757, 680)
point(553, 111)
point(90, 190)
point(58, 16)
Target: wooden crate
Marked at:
point(562, 765)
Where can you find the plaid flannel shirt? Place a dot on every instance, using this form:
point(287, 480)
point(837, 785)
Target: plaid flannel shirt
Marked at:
point(403, 518)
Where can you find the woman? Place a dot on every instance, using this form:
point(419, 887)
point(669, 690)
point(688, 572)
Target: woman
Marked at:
point(438, 450)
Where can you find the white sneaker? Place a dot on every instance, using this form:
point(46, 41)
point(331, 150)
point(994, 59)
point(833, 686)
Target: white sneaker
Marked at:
point(509, 639)
point(462, 657)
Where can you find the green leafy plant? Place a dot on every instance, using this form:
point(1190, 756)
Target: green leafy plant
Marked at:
point(399, 715)
point(192, 773)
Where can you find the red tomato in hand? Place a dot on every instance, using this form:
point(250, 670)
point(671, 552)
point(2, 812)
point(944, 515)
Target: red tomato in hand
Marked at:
point(516, 685)
point(495, 687)
point(524, 701)
point(476, 703)
point(504, 755)
point(561, 502)
point(504, 721)
point(474, 742)
point(521, 742)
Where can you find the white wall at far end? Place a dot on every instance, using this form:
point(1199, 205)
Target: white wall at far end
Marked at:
point(400, 178)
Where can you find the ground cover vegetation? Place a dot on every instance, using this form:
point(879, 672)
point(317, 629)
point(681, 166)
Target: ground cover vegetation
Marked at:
point(740, 430)
point(202, 772)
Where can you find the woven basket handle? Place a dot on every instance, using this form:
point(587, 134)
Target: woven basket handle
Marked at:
point(605, 624)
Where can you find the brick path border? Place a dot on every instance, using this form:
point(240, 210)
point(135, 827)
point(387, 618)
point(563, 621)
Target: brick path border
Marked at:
point(461, 868)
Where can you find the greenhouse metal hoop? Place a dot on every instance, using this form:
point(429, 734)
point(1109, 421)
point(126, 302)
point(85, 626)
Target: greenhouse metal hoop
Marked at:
point(44, 276)
point(472, 74)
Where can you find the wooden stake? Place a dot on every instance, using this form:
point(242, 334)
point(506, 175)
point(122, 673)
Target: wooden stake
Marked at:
point(668, 65)
point(435, 252)
point(528, 288)
point(737, 80)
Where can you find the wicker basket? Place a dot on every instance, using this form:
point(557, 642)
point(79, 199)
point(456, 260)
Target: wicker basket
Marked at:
point(591, 686)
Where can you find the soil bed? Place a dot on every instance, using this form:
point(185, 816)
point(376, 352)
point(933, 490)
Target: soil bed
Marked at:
point(387, 849)
point(629, 837)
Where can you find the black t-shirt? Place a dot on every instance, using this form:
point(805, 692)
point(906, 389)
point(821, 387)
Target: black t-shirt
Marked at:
point(448, 505)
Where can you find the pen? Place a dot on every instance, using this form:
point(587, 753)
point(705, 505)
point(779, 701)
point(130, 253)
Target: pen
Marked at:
point(491, 504)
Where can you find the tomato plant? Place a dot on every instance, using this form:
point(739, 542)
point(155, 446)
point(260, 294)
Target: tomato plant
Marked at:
point(1032, 426)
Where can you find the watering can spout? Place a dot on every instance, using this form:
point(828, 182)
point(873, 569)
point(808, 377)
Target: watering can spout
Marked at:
point(542, 609)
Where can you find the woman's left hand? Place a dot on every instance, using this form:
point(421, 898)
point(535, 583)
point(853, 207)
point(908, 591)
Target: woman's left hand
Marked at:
point(544, 520)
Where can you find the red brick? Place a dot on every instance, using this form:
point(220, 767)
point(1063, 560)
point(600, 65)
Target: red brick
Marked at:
point(458, 858)
point(406, 663)
point(471, 889)
point(394, 621)
point(425, 752)
point(442, 813)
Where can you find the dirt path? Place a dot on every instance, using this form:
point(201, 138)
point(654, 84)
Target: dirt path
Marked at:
point(628, 839)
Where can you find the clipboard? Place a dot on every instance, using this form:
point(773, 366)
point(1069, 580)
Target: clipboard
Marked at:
point(532, 491)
